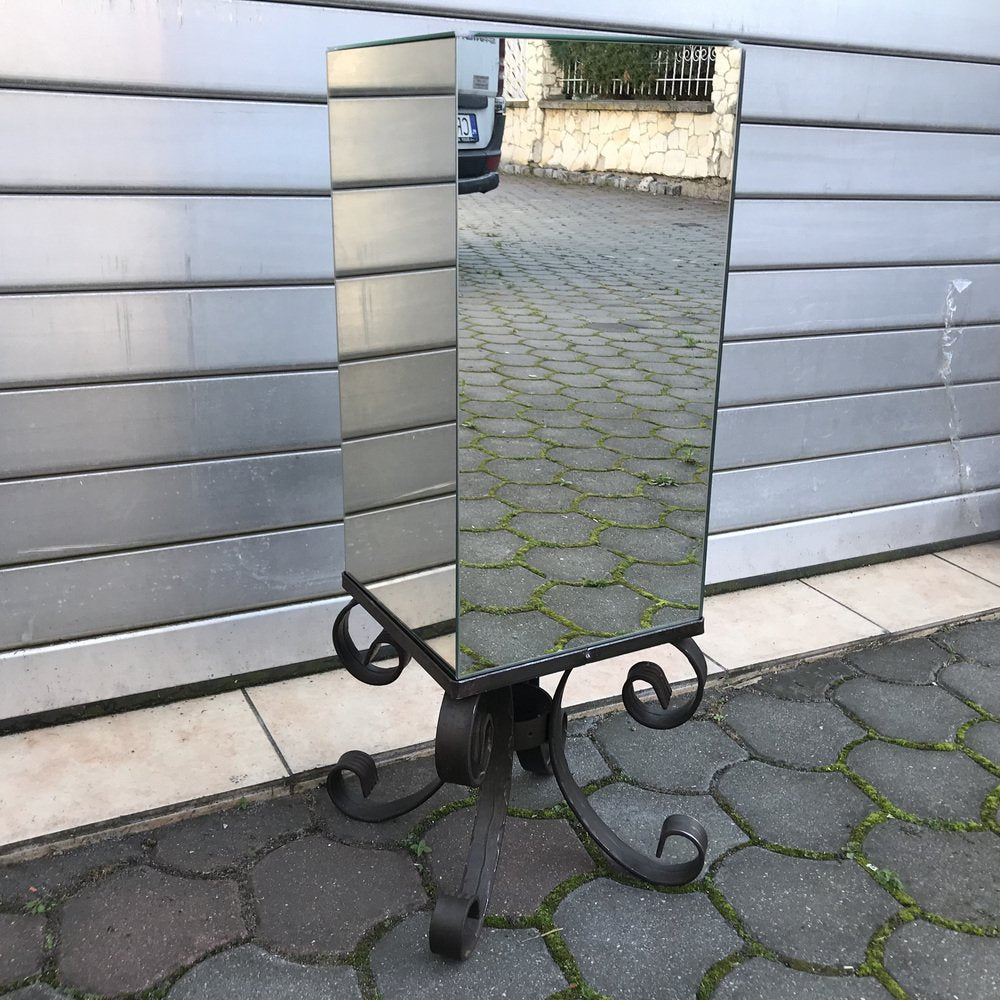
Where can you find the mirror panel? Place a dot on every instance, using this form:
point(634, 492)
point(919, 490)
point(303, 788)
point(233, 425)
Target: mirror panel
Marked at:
point(582, 393)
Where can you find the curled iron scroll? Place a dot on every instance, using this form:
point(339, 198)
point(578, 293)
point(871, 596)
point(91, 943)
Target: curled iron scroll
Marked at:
point(664, 716)
point(361, 665)
point(363, 767)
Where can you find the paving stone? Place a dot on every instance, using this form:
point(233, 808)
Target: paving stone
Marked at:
point(56, 874)
point(313, 896)
point(984, 738)
point(912, 661)
point(805, 810)
point(509, 638)
point(691, 495)
point(524, 470)
point(760, 979)
point(644, 448)
point(637, 511)
point(932, 963)
point(634, 944)
point(537, 791)
point(979, 641)
point(681, 584)
point(651, 544)
point(525, 447)
point(498, 588)
point(248, 971)
point(574, 565)
point(674, 616)
point(486, 513)
point(488, 546)
point(537, 856)
point(682, 760)
point(812, 911)
point(610, 484)
point(637, 815)
point(803, 734)
point(562, 529)
point(37, 991)
point(576, 437)
point(974, 682)
point(623, 427)
point(134, 928)
point(513, 964)
point(395, 780)
point(690, 522)
point(922, 714)
point(805, 681)
point(507, 426)
point(22, 946)
point(537, 498)
point(614, 609)
point(584, 459)
point(932, 784)
point(666, 471)
point(476, 484)
point(956, 875)
point(209, 843)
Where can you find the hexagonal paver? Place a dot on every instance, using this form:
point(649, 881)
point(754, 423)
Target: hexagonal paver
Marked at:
point(508, 638)
point(932, 784)
point(537, 855)
point(814, 911)
point(510, 587)
point(956, 875)
point(590, 562)
point(22, 947)
point(912, 661)
point(681, 584)
point(637, 814)
point(547, 497)
point(805, 681)
point(313, 896)
point(131, 930)
point(607, 484)
point(760, 979)
point(931, 962)
point(248, 971)
point(974, 682)
point(918, 714)
point(395, 780)
point(37, 991)
point(984, 738)
point(220, 840)
point(805, 810)
point(486, 513)
point(799, 733)
point(629, 511)
point(560, 529)
point(524, 470)
point(613, 609)
point(57, 874)
point(977, 641)
point(682, 760)
point(648, 544)
point(629, 942)
point(506, 963)
point(488, 546)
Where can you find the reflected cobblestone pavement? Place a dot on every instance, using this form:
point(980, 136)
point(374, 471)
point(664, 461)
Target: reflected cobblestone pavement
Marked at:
point(587, 364)
point(852, 808)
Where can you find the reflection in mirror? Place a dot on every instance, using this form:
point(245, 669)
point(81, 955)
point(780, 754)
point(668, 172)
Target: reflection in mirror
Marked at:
point(590, 300)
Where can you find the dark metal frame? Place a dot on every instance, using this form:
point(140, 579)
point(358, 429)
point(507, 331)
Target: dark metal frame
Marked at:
point(486, 719)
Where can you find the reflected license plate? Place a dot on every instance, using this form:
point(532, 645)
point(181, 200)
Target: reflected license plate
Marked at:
point(468, 130)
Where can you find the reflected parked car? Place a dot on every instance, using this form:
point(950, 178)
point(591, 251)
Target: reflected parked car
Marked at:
point(480, 122)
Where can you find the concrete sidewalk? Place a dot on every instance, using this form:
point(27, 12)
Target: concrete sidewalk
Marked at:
point(852, 808)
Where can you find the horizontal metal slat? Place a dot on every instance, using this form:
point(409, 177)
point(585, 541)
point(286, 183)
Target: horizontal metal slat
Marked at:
point(785, 160)
point(99, 594)
point(775, 494)
point(786, 432)
point(801, 545)
point(416, 229)
point(765, 371)
point(68, 516)
point(165, 143)
point(103, 337)
point(46, 431)
point(785, 233)
point(399, 468)
point(65, 241)
point(424, 66)
point(397, 393)
point(786, 303)
point(397, 313)
point(869, 89)
point(397, 540)
point(423, 140)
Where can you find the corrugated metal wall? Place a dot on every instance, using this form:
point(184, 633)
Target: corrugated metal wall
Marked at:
point(168, 379)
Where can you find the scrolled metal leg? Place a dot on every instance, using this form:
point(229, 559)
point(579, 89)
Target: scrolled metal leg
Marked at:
point(363, 767)
point(361, 665)
point(686, 827)
point(475, 739)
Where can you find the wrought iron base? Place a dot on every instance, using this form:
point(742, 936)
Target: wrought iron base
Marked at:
point(477, 738)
